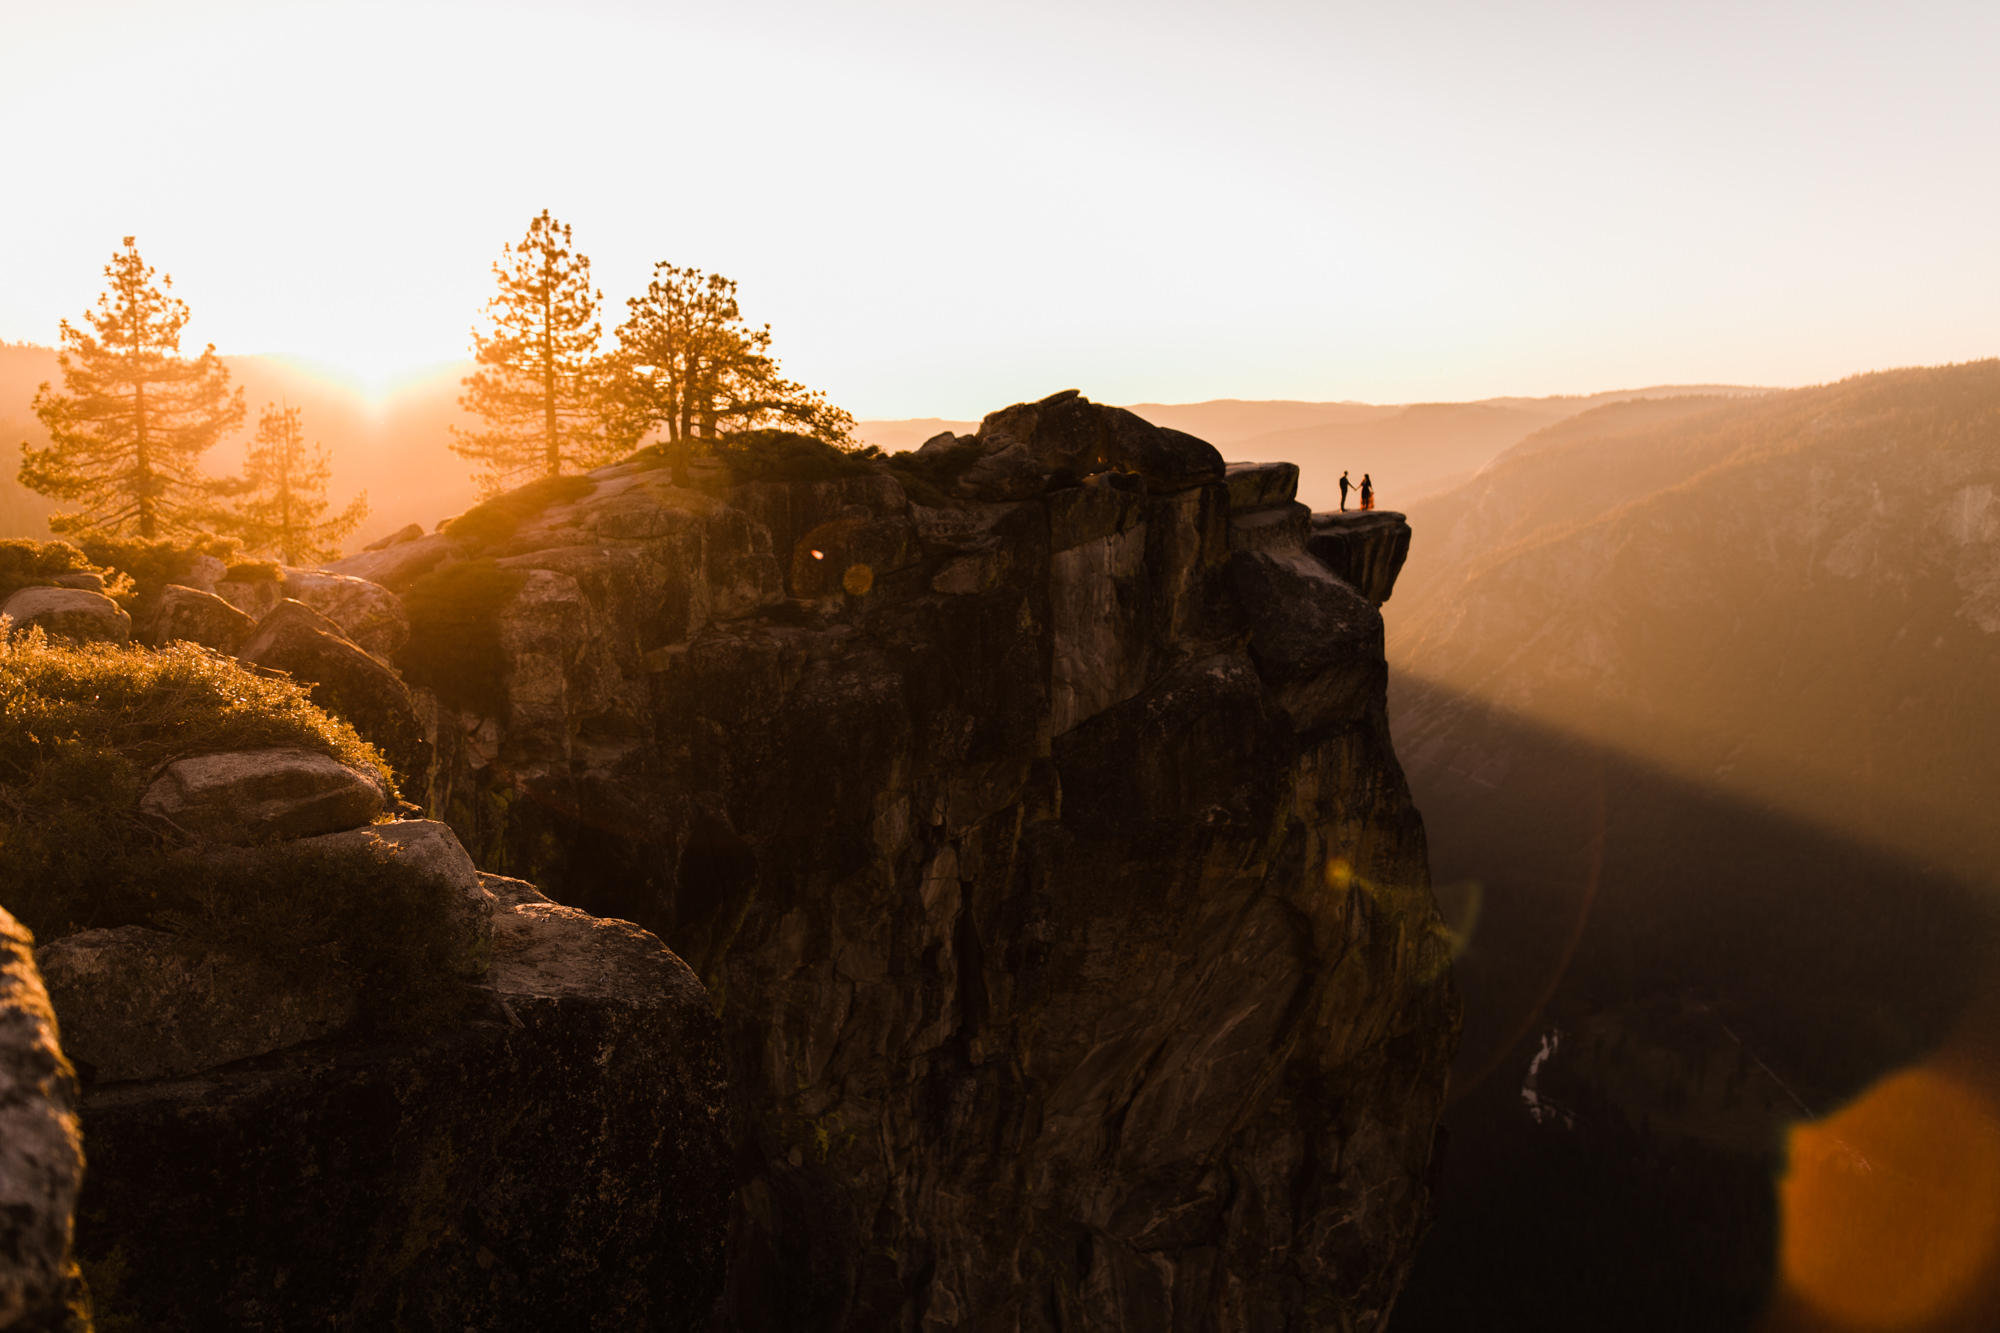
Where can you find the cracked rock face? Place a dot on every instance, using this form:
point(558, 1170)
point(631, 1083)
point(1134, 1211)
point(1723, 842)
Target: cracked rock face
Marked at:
point(1045, 853)
point(41, 1150)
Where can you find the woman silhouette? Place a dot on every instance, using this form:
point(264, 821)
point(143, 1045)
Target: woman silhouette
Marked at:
point(1367, 492)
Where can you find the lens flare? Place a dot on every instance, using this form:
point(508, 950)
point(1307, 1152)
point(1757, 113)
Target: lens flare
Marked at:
point(1892, 1206)
point(1340, 874)
point(858, 579)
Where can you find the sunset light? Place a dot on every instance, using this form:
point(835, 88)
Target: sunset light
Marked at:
point(945, 208)
point(676, 667)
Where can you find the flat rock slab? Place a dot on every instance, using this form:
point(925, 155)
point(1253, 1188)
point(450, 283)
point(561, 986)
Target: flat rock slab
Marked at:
point(247, 796)
point(138, 1003)
point(72, 613)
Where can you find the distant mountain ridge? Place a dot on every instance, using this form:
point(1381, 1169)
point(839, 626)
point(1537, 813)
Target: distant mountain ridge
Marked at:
point(1408, 450)
point(1696, 696)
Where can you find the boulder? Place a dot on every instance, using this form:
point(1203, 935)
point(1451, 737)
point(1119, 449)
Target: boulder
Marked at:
point(1032, 447)
point(137, 1003)
point(434, 849)
point(88, 580)
point(346, 680)
point(397, 566)
point(368, 613)
point(407, 533)
point(41, 1151)
point(1255, 485)
point(70, 613)
point(254, 596)
point(1365, 548)
point(198, 617)
point(558, 1160)
point(251, 796)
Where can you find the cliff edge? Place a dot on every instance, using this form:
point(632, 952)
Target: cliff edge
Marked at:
point(1028, 807)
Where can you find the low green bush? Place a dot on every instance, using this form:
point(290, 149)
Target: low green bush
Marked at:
point(85, 727)
point(454, 644)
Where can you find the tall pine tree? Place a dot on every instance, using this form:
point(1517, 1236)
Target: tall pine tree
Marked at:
point(282, 495)
point(691, 368)
point(537, 384)
point(127, 433)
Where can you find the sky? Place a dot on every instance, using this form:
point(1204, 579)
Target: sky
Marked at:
point(941, 208)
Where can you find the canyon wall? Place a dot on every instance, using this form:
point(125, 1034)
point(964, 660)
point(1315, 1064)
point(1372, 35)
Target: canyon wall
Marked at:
point(1028, 807)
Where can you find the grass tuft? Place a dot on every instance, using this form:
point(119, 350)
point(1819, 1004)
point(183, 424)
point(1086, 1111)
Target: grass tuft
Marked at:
point(493, 521)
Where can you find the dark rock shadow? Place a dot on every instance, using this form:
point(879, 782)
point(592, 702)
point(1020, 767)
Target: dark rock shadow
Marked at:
point(1700, 973)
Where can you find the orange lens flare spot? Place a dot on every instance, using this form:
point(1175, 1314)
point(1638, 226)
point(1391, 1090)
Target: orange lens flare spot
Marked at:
point(858, 579)
point(1892, 1206)
point(819, 555)
point(1340, 874)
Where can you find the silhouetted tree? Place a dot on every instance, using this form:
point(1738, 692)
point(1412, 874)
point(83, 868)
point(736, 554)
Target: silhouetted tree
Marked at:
point(282, 495)
point(127, 433)
point(537, 384)
point(690, 367)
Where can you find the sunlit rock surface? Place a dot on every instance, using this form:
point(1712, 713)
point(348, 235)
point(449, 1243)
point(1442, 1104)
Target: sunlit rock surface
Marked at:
point(1038, 834)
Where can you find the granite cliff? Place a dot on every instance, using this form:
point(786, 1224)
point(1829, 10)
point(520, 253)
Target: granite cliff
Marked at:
point(1028, 807)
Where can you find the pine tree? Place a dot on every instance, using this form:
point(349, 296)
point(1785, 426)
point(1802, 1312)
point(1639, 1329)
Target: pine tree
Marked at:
point(283, 492)
point(689, 366)
point(537, 385)
point(127, 433)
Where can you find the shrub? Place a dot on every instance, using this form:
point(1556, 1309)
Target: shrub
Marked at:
point(24, 563)
point(148, 566)
point(493, 521)
point(454, 646)
point(927, 477)
point(84, 728)
point(783, 455)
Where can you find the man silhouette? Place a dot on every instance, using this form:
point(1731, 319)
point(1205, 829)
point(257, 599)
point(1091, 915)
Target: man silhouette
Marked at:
point(1345, 486)
point(1367, 492)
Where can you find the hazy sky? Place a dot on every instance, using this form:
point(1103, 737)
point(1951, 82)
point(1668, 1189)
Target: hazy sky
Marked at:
point(945, 207)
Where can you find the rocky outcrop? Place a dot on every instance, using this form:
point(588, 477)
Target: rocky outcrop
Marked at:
point(72, 613)
point(346, 680)
point(1365, 548)
point(545, 1147)
point(1042, 846)
point(41, 1152)
point(559, 1161)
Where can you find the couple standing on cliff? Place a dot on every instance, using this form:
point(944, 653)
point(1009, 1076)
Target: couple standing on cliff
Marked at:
point(1367, 492)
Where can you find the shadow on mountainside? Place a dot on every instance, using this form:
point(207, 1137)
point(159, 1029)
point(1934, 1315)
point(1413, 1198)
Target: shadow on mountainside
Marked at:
point(1658, 980)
